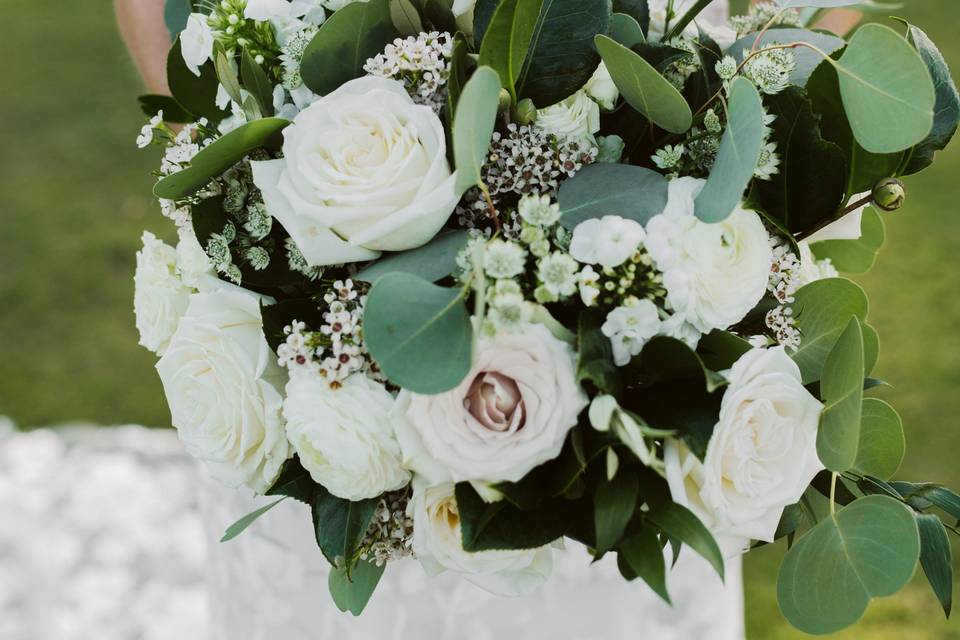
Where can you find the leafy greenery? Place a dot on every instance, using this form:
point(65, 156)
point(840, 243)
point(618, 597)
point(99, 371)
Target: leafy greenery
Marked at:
point(855, 256)
point(605, 189)
point(473, 125)
point(434, 261)
point(841, 389)
point(507, 40)
point(806, 59)
point(679, 523)
point(882, 442)
point(352, 590)
point(643, 555)
point(243, 523)
point(196, 94)
point(614, 504)
point(595, 355)
point(626, 30)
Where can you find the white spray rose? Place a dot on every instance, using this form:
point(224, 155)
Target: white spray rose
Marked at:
point(344, 436)
point(510, 414)
point(364, 170)
point(159, 298)
point(609, 241)
point(601, 88)
point(437, 543)
point(223, 385)
point(714, 273)
point(196, 42)
point(761, 457)
point(576, 118)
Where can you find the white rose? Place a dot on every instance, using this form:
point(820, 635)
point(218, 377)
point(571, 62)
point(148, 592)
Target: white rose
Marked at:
point(609, 241)
point(846, 228)
point(344, 436)
point(601, 88)
point(576, 118)
point(437, 543)
point(761, 457)
point(364, 170)
point(159, 298)
point(196, 42)
point(714, 273)
point(511, 413)
point(193, 263)
point(223, 385)
point(713, 20)
point(463, 13)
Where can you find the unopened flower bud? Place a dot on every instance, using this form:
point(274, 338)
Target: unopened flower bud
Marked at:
point(889, 194)
point(505, 101)
point(525, 112)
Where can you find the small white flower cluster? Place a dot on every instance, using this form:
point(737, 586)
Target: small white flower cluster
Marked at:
point(420, 63)
point(218, 250)
point(761, 14)
point(788, 273)
point(680, 70)
point(291, 55)
point(301, 347)
point(147, 132)
point(770, 68)
point(184, 147)
point(390, 534)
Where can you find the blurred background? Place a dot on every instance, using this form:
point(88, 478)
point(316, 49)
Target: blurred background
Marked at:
point(75, 198)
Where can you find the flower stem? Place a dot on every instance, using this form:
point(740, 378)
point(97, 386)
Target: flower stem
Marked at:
point(833, 493)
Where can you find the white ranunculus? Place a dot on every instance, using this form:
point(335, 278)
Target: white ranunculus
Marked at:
point(609, 241)
point(714, 20)
point(193, 263)
point(160, 297)
point(576, 118)
point(510, 414)
point(364, 170)
point(761, 457)
point(223, 385)
point(846, 228)
point(714, 273)
point(344, 436)
point(196, 42)
point(437, 543)
point(601, 88)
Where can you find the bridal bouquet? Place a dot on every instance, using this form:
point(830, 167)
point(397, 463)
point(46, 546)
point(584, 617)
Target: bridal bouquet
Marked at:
point(472, 277)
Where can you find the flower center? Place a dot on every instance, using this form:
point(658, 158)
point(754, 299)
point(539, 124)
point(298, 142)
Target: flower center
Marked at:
point(495, 401)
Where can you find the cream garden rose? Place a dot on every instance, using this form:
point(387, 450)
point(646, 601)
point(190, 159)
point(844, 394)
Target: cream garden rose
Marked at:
point(364, 170)
point(438, 546)
point(714, 273)
point(761, 457)
point(510, 414)
point(576, 118)
point(160, 298)
point(344, 437)
point(223, 385)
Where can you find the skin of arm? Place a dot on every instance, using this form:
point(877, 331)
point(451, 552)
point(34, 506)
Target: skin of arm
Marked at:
point(143, 30)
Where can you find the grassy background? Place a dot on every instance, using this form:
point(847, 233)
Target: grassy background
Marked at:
point(74, 199)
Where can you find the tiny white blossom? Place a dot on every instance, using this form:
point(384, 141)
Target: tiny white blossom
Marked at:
point(609, 241)
point(503, 259)
point(769, 162)
point(630, 328)
point(146, 133)
point(589, 286)
point(538, 210)
point(558, 273)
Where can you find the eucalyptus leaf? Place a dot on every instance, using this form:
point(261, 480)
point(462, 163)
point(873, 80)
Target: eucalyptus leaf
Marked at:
point(420, 334)
point(626, 30)
point(866, 550)
point(738, 156)
point(855, 256)
point(197, 94)
point(351, 591)
point(841, 389)
point(405, 17)
point(644, 89)
point(217, 157)
point(823, 310)
point(255, 81)
point(607, 189)
point(679, 523)
point(614, 504)
point(508, 39)
point(806, 59)
point(936, 558)
point(344, 43)
point(433, 261)
point(886, 89)
point(639, 10)
point(243, 523)
point(882, 443)
point(644, 556)
point(473, 125)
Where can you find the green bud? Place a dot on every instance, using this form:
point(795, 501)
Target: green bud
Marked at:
point(505, 101)
point(889, 194)
point(525, 112)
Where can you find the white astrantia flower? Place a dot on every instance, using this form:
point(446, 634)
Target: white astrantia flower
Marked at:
point(609, 241)
point(504, 259)
point(538, 210)
point(769, 163)
point(629, 328)
point(196, 42)
point(344, 437)
point(224, 388)
point(846, 228)
point(601, 88)
point(762, 454)
point(160, 298)
point(510, 414)
point(557, 273)
point(575, 118)
point(714, 273)
point(437, 544)
point(668, 158)
point(364, 170)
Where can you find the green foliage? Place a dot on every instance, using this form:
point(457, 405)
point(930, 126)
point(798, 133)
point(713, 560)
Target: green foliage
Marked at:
point(197, 94)
point(737, 158)
point(719, 350)
point(152, 104)
point(626, 30)
point(502, 525)
point(882, 442)
point(340, 525)
point(928, 495)
point(841, 389)
point(866, 550)
point(351, 589)
point(175, 15)
point(241, 525)
point(459, 60)
point(936, 558)
point(255, 81)
point(855, 256)
point(507, 40)
point(644, 89)
point(807, 59)
point(208, 217)
point(476, 117)
point(614, 504)
point(606, 189)
point(642, 554)
point(888, 111)
point(433, 261)
point(664, 359)
point(823, 4)
point(294, 482)
point(219, 156)
point(405, 17)
point(811, 183)
point(420, 334)
point(679, 523)
point(343, 44)
point(595, 354)
point(636, 9)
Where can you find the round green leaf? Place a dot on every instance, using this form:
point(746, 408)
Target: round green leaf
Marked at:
point(855, 256)
point(473, 126)
point(841, 389)
point(420, 334)
point(626, 30)
point(612, 189)
point(432, 262)
point(644, 88)
point(882, 443)
point(823, 309)
point(886, 89)
point(866, 550)
point(352, 590)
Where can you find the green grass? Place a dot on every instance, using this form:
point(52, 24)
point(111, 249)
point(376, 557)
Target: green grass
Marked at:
point(74, 199)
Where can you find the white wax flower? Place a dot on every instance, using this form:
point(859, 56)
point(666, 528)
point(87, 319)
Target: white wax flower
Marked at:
point(601, 88)
point(196, 42)
point(510, 414)
point(437, 543)
point(160, 298)
point(630, 328)
point(344, 436)
point(761, 457)
point(575, 118)
point(223, 385)
point(609, 241)
point(364, 170)
point(714, 273)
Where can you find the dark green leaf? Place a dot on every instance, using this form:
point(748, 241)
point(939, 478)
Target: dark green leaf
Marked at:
point(683, 405)
point(636, 9)
point(340, 525)
point(255, 81)
point(665, 358)
point(175, 16)
point(152, 104)
point(433, 261)
point(508, 38)
point(282, 314)
point(679, 523)
point(295, 482)
point(926, 495)
point(198, 95)
point(241, 525)
point(841, 390)
point(351, 590)
point(500, 526)
point(459, 60)
point(612, 189)
point(595, 355)
point(405, 17)
point(208, 217)
point(614, 504)
point(719, 350)
point(482, 14)
point(936, 558)
point(644, 556)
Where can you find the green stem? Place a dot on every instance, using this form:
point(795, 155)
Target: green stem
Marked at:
point(687, 18)
point(833, 493)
